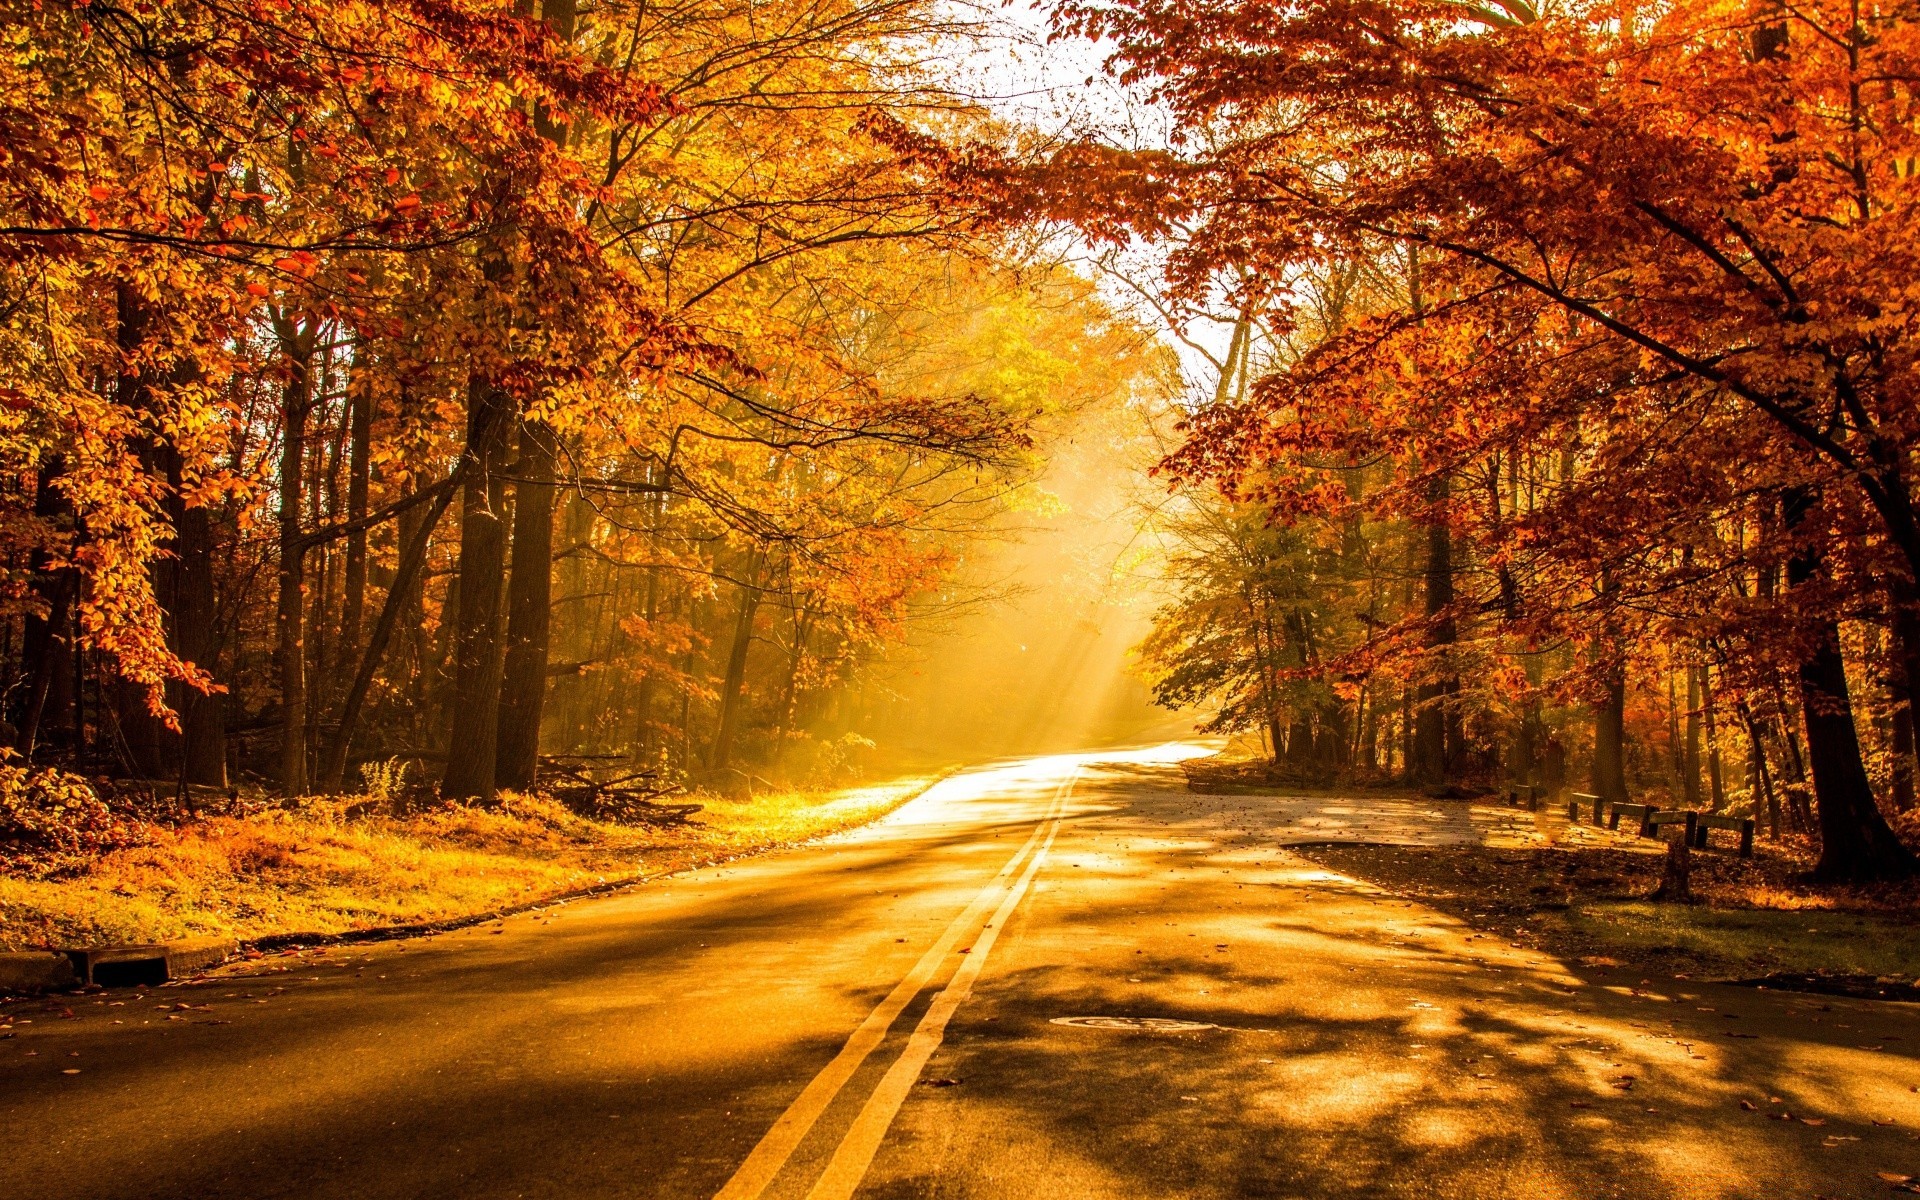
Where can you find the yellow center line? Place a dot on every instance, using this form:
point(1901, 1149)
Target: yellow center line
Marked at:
point(863, 1138)
point(780, 1141)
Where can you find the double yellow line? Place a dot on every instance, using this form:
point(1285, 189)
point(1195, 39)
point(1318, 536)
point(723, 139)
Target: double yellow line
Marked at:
point(862, 1140)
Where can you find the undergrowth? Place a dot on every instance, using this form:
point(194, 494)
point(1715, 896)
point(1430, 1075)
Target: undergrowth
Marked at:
point(327, 865)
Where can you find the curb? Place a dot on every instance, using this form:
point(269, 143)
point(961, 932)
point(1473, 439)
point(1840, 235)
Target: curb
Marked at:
point(37, 971)
point(32, 971)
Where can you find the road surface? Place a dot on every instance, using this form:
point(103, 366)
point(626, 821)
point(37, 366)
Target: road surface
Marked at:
point(1058, 977)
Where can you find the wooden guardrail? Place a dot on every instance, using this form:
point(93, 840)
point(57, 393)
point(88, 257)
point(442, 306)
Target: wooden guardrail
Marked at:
point(1646, 814)
point(1740, 825)
point(1654, 820)
point(1651, 818)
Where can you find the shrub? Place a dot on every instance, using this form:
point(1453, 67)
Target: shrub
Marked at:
point(52, 821)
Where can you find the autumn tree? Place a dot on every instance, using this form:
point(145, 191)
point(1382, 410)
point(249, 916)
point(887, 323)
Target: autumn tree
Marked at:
point(1714, 304)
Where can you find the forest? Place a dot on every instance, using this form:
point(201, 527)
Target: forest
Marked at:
point(1046, 600)
point(491, 391)
point(1565, 432)
point(511, 396)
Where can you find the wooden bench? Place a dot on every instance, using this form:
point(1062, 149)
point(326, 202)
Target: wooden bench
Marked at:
point(1643, 813)
point(1580, 800)
point(1741, 825)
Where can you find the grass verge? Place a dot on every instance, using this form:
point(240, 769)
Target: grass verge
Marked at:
point(310, 868)
point(1757, 917)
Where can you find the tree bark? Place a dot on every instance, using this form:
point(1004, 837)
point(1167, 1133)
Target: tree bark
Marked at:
point(196, 629)
point(477, 657)
point(1856, 844)
point(733, 687)
point(1267, 663)
point(789, 695)
point(353, 602)
point(1433, 757)
point(1609, 738)
point(1903, 630)
point(44, 646)
point(290, 614)
point(1690, 759)
point(143, 739)
point(523, 687)
point(1676, 874)
point(1716, 778)
point(1759, 774)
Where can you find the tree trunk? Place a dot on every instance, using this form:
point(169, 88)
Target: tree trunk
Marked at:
point(203, 723)
point(290, 613)
point(1855, 843)
point(1676, 873)
point(482, 567)
point(44, 647)
point(1690, 759)
point(353, 603)
point(143, 739)
point(403, 600)
point(1267, 663)
point(1759, 774)
point(523, 686)
point(1609, 738)
point(790, 693)
point(1370, 732)
point(413, 663)
point(733, 687)
point(1716, 780)
point(1903, 649)
point(1432, 755)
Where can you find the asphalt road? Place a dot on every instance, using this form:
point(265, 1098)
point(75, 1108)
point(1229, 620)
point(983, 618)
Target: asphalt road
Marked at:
point(1061, 977)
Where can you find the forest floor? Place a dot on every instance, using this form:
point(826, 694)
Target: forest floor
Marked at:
point(1582, 893)
point(326, 866)
point(1753, 919)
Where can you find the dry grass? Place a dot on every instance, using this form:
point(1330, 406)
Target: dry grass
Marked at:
point(311, 868)
point(1757, 916)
